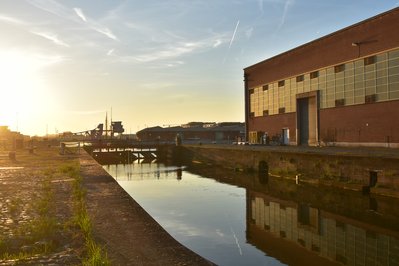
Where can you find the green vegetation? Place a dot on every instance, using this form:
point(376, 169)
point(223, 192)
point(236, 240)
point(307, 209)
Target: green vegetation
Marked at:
point(95, 255)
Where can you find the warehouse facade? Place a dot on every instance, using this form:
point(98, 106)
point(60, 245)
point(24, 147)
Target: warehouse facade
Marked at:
point(341, 89)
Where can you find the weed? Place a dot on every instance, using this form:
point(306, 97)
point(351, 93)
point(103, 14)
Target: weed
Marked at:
point(17, 256)
point(83, 221)
point(95, 254)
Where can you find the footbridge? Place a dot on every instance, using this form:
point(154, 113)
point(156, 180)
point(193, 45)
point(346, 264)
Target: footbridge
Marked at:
point(128, 151)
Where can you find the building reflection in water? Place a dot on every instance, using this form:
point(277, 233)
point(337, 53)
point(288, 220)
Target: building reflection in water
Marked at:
point(334, 237)
point(142, 170)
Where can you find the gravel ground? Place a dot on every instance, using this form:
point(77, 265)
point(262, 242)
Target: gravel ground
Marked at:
point(36, 211)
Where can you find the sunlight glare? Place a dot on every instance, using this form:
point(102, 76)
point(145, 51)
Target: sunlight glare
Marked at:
point(21, 87)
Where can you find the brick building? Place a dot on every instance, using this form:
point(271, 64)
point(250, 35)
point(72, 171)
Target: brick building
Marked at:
point(341, 89)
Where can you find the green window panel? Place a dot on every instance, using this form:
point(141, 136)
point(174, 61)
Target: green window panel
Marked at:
point(382, 88)
point(393, 54)
point(393, 87)
point(359, 77)
point(393, 78)
point(369, 90)
point(340, 95)
point(381, 57)
point(339, 82)
point(382, 81)
point(393, 62)
point(394, 95)
point(382, 96)
point(339, 89)
point(359, 85)
point(349, 83)
point(359, 99)
point(349, 100)
point(359, 92)
point(382, 73)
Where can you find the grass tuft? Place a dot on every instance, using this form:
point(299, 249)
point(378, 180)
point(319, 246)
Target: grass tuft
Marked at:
point(95, 254)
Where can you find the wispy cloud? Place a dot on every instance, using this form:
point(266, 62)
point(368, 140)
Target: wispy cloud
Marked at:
point(52, 7)
point(11, 20)
point(172, 51)
point(248, 32)
point(76, 15)
point(217, 43)
point(48, 60)
point(79, 13)
point(287, 5)
point(107, 32)
point(174, 63)
point(27, 26)
point(110, 52)
point(51, 37)
point(176, 49)
point(260, 3)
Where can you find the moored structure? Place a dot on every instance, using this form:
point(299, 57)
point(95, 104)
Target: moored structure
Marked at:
point(341, 89)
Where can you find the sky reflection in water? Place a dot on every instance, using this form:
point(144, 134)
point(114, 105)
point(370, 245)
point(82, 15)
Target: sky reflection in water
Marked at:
point(204, 215)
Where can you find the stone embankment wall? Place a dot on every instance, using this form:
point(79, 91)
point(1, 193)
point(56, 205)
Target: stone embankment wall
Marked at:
point(318, 165)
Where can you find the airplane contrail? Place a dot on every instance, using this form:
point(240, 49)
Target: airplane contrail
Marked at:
point(234, 34)
point(231, 41)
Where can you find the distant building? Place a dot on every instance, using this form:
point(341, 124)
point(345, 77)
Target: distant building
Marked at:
point(341, 89)
point(195, 133)
point(11, 140)
point(199, 124)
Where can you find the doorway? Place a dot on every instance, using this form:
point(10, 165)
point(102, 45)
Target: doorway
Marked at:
point(307, 118)
point(303, 123)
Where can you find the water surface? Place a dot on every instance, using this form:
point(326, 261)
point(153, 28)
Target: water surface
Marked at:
point(242, 221)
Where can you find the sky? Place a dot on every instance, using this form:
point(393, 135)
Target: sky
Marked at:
point(65, 65)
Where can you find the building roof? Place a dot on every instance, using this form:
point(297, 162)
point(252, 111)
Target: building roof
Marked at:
point(176, 129)
point(377, 17)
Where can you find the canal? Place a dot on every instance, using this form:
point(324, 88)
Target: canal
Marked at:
point(233, 218)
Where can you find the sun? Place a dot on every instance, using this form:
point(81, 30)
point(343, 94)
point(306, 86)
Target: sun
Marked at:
point(20, 86)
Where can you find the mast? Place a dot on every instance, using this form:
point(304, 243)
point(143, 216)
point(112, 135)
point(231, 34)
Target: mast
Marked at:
point(106, 124)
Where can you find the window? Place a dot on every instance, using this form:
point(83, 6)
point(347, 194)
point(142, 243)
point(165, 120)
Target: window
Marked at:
point(339, 68)
point(281, 83)
point(369, 60)
point(281, 110)
point(299, 78)
point(372, 98)
point(314, 74)
point(339, 102)
point(265, 87)
point(252, 114)
point(251, 91)
point(265, 112)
